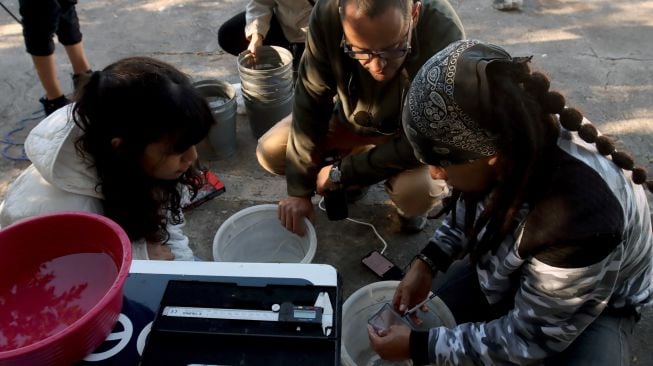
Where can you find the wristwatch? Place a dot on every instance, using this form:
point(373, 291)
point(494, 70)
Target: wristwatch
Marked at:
point(431, 265)
point(335, 175)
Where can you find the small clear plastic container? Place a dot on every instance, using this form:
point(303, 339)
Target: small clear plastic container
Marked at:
point(387, 317)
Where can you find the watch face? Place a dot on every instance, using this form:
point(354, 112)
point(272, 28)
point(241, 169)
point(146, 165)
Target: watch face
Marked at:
point(334, 174)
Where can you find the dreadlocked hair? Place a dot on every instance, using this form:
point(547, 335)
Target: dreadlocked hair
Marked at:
point(527, 134)
point(572, 120)
point(522, 115)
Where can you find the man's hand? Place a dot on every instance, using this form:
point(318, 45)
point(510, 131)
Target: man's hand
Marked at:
point(323, 183)
point(292, 211)
point(392, 344)
point(255, 42)
point(158, 251)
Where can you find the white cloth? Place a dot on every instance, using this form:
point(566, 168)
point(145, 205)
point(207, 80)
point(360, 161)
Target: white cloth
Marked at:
point(60, 180)
point(292, 16)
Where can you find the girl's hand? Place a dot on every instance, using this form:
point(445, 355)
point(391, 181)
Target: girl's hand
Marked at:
point(158, 251)
point(414, 287)
point(392, 344)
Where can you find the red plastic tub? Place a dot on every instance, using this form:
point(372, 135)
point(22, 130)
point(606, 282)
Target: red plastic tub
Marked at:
point(61, 280)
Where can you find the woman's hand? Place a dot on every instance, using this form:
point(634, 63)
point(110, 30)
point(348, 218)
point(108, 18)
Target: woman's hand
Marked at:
point(392, 344)
point(414, 287)
point(158, 251)
point(255, 42)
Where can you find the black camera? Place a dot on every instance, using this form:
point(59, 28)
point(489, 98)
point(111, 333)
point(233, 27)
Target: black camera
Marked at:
point(335, 203)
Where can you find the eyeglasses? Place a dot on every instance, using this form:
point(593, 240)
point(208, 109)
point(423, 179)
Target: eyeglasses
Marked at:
point(366, 55)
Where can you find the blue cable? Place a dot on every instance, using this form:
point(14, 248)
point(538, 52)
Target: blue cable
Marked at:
point(14, 144)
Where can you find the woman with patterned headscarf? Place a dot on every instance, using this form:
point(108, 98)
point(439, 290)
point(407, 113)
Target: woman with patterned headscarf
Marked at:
point(551, 222)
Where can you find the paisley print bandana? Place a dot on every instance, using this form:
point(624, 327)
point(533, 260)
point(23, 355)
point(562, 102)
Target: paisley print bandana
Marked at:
point(447, 99)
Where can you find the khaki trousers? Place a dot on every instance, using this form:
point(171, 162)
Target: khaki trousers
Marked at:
point(413, 191)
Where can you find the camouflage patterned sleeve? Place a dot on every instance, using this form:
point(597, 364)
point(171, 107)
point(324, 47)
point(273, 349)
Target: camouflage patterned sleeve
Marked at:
point(448, 241)
point(577, 252)
point(552, 307)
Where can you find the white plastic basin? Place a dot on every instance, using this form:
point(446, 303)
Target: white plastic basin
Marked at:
point(255, 235)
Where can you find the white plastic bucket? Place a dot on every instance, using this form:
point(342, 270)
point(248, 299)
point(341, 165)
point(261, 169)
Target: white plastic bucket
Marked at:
point(255, 235)
point(357, 309)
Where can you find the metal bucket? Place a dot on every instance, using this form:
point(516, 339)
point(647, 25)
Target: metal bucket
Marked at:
point(269, 61)
point(266, 97)
point(221, 140)
point(267, 86)
point(262, 116)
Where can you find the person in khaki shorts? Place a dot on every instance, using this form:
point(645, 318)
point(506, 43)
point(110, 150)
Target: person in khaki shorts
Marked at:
point(359, 60)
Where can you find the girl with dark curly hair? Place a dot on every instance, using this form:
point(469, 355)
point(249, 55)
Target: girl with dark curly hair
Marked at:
point(123, 149)
point(550, 220)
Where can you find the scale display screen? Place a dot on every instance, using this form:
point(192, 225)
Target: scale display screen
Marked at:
point(304, 314)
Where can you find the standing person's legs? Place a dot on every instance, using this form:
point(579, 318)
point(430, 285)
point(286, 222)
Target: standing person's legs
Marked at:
point(40, 22)
point(47, 73)
point(78, 59)
point(81, 68)
point(70, 36)
point(605, 342)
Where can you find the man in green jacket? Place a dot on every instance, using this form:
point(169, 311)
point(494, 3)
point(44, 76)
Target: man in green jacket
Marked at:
point(364, 53)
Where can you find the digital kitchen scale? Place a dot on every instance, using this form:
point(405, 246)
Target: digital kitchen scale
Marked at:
point(223, 323)
point(218, 313)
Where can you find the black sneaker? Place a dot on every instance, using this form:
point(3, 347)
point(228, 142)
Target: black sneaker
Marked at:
point(413, 224)
point(80, 79)
point(51, 105)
